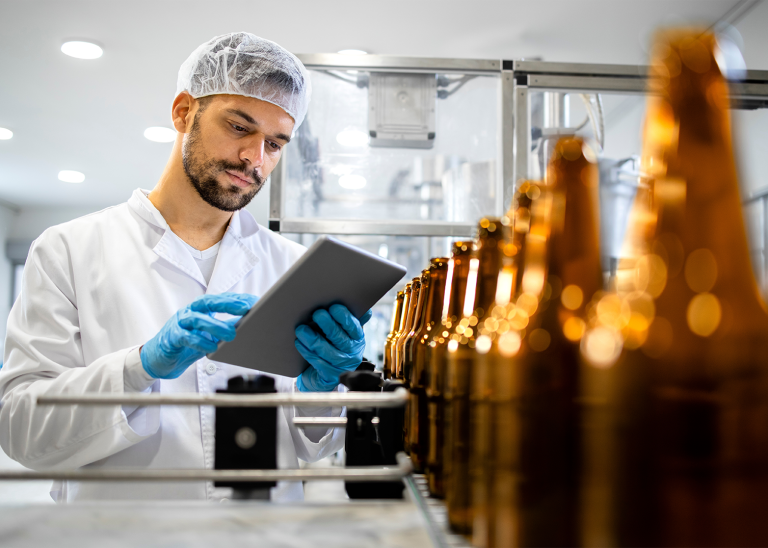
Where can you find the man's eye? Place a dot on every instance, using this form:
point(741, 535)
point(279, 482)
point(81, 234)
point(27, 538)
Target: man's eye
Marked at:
point(238, 128)
point(274, 146)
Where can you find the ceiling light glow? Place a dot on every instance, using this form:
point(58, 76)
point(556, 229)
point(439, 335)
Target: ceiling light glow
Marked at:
point(352, 182)
point(71, 176)
point(352, 52)
point(160, 134)
point(82, 50)
point(5, 134)
point(352, 138)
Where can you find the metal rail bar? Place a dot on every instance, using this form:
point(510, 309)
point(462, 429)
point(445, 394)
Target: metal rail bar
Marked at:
point(358, 473)
point(352, 400)
point(325, 422)
point(393, 228)
point(390, 63)
point(434, 530)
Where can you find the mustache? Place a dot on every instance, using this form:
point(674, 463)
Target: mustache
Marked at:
point(241, 169)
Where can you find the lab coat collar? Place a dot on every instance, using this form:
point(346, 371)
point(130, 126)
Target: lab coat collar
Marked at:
point(236, 259)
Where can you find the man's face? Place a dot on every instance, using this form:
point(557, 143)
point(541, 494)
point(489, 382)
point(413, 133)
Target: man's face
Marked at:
point(232, 147)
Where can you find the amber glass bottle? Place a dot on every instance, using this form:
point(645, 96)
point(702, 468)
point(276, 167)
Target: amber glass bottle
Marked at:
point(397, 313)
point(407, 359)
point(407, 293)
point(409, 310)
point(690, 407)
point(418, 429)
point(486, 261)
point(481, 389)
point(533, 363)
point(456, 282)
point(416, 326)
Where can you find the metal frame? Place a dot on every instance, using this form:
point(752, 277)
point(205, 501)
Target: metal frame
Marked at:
point(518, 79)
point(386, 63)
point(594, 78)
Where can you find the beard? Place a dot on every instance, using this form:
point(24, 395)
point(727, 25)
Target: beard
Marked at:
point(202, 172)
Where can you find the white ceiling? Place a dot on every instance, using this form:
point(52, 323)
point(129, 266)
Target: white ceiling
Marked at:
point(90, 116)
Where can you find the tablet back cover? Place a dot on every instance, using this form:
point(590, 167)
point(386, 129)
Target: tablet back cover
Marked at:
point(330, 272)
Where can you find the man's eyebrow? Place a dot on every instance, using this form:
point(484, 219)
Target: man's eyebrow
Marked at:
point(248, 118)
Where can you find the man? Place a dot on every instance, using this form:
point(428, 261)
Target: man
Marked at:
point(98, 292)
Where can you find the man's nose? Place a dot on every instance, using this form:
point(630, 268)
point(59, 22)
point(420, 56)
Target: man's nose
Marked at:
point(253, 152)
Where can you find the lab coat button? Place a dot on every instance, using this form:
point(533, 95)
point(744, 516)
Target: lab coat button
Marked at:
point(210, 368)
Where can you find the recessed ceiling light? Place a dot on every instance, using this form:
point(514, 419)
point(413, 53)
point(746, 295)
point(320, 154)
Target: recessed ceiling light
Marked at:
point(82, 50)
point(160, 134)
point(352, 52)
point(71, 176)
point(352, 182)
point(5, 134)
point(352, 138)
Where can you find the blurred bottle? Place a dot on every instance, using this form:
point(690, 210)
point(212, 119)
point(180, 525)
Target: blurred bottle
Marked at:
point(456, 281)
point(481, 387)
point(397, 313)
point(485, 264)
point(418, 430)
point(407, 359)
point(407, 293)
point(684, 418)
point(409, 306)
point(533, 362)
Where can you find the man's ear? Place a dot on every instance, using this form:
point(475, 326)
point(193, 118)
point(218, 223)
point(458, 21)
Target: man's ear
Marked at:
point(182, 112)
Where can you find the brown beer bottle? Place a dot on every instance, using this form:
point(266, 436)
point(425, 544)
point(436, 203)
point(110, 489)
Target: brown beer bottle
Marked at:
point(408, 303)
point(533, 363)
point(456, 281)
point(481, 388)
point(397, 313)
point(417, 435)
point(486, 261)
point(407, 359)
point(689, 440)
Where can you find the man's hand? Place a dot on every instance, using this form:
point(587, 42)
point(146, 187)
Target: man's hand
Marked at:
point(192, 333)
point(340, 350)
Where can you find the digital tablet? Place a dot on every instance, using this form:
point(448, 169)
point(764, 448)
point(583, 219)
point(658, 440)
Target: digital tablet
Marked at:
point(330, 272)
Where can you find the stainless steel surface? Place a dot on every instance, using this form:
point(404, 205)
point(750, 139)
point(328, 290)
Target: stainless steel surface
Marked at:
point(398, 64)
point(522, 133)
point(356, 473)
point(507, 131)
point(393, 228)
point(351, 400)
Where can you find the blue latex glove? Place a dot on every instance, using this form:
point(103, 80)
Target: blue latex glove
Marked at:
point(192, 333)
point(340, 350)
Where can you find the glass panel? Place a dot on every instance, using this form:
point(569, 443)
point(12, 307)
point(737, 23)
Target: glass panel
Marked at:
point(338, 171)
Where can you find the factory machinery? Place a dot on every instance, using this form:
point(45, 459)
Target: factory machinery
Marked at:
point(584, 366)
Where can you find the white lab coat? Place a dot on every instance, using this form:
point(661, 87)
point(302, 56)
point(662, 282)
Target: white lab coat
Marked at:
point(93, 290)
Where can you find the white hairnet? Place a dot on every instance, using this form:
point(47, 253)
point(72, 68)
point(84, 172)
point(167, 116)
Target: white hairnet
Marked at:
point(240, 63)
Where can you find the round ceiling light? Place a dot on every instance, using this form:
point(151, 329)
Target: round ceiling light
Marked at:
point(71, 176)
point(160, 134)
point(352, 138)
point(352, 182)
point(352, 52)
point(5, 134)
point(82, 50)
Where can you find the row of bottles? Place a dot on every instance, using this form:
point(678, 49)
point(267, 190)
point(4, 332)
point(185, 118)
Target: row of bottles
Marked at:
point(549, 408)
